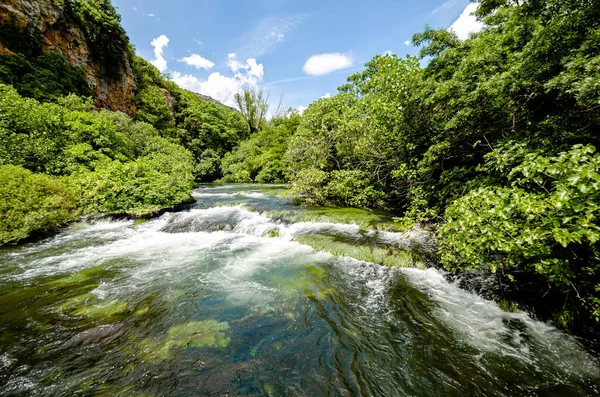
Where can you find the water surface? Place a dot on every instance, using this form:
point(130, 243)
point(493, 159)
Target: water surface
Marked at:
point(224, 299)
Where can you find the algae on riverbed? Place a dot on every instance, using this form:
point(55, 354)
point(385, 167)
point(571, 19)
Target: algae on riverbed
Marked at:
point(364, 218)
point(194, 334)
point(384, 256)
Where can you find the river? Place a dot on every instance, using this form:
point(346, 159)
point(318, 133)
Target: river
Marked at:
point(229, 297)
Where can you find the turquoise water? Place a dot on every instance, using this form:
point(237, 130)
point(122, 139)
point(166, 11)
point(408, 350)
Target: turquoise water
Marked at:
point(222, 299)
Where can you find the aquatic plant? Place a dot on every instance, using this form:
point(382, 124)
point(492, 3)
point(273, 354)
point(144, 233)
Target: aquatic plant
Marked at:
point(368, 253)
point(194, 334)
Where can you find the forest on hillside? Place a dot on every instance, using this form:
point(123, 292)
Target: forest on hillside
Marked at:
point(491, 141)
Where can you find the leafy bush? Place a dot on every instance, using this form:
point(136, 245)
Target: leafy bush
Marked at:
point(31, 203)
point(59, 138)
point(32, 135)
point(352, 188)
point(112, 163)
point(308, 184)
point(272, 172)
point(547, 220)
point(145, 73)
point(209, 126)
point(161, 179)
point(208, 167)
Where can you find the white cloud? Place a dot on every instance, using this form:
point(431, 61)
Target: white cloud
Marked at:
point(388, 52)
point(217, 86)
point(318, 65)
point(407, 43)
point(197, 61)
point(250, 68)
point(149, 15)
point(134, 9)
point(328, 95)
point(159, 44)
point(187, 81)
point(302, 109)
point(233, 63)
point(224, 88)
point(466, 22)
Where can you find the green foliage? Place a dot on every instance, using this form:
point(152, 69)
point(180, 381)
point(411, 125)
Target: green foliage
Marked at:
point(45, 77)
point(153, 108)
point(423, 133)
point(207, 129)
point(160, 179)
point(32, 135)
point(60, 138)
point(308, 184)
point(145, 73)
point(209, 165)
point(102, 26)
point(437, 41)
point(211, 130)
point(111, 163)
point(547, 219)
point(374, 128)
point(31, 203)
point(76, 103)
point(352, 188)
point(260, 158)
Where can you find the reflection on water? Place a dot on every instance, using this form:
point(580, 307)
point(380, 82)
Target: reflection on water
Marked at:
point(223, 299)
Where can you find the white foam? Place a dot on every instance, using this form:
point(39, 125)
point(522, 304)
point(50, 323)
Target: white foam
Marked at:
point(7, 361)
point(405, 240)
point(229, 195)
point(482, 324)
point(377, 279)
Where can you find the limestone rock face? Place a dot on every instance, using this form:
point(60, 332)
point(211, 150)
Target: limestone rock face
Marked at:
point(60, 32)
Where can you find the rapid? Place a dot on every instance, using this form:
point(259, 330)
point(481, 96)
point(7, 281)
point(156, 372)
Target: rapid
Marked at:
point(240, 293)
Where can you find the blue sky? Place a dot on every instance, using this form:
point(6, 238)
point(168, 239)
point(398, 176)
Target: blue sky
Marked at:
point(301, 49)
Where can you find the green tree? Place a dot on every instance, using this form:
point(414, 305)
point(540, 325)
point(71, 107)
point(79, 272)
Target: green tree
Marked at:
point(210, 130)
point(153, 108)
point(260, 158)
point(458, 139)
point(253, 104)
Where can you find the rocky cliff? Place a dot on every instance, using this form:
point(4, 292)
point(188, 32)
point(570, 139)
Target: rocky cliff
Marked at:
point(55, 28)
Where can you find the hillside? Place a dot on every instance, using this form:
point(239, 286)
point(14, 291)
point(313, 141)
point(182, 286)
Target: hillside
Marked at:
point(73, 47)
point(87, 126)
